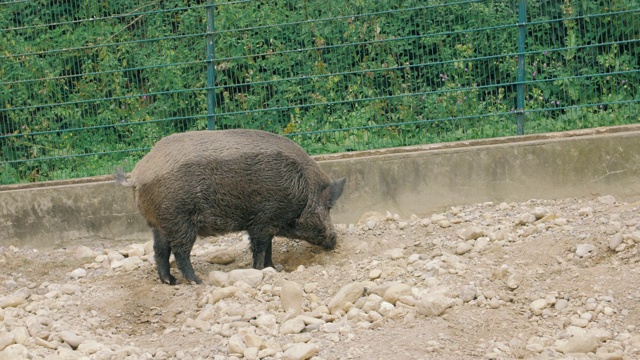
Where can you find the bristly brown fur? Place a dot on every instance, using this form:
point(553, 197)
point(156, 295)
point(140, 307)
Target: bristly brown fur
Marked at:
point(207, 183)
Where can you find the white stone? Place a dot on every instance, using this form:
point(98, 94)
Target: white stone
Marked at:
point(580, 343)
point(218, 294)
point(375, 274)
point(481, 243)
point(561, 304)
point(218, 278)
point(148, 247)
point(83, 252)
point(585, 211)
point(607, 199)
point(371, 224)
point(266, 321)
point(372, 303)
point(583, 250)
point(537, 306)
point(197, 324)
point(90, 347)
point(14, 300)
point(467, 293)
point(348, 293)
point(131, 263)
point(525, 218)
point(223, 256)
point(70, 289)
point(463, 248)
point(78, 273)
point(293, 326)
point(135, 250)
point(540, 212)
point(253, 340)
point(21, 334)
point(14, 352)
point(251, 353)
point(291, 297)
point(471, 233)
point(396, 254)
point(434, 304)
point(310, 287)
point(615, 241)
point(7, 339)
point(310, 320)
point(395, 291)
point(252, 277)
point(71, 338)
point(301, 351)
point(579, 322)
point(114, 255)
point(514, 280)
point(268, 352)
point(236, 344)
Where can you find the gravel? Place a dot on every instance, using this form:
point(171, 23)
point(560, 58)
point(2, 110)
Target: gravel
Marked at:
point(537, 279)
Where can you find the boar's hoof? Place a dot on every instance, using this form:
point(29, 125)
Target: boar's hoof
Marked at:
point(171, 280)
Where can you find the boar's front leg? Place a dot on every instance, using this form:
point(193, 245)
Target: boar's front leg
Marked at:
point(162, 252)
point(261, 249)
point(268, 262)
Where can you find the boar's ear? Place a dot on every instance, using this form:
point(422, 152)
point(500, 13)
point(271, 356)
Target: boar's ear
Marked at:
point(333, 191)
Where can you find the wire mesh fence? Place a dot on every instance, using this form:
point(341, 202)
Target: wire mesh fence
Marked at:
point(86, 86)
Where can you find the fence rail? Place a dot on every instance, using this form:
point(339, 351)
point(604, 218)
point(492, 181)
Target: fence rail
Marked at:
point(87, 86)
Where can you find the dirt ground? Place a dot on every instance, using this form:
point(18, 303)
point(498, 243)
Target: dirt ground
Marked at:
point(532, 280)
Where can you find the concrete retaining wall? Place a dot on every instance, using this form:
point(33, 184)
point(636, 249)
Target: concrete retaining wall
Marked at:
point(415, 180)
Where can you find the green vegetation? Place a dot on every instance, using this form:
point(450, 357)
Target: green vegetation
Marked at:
point(90, 85)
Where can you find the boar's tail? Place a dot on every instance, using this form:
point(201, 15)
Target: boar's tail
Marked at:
point(121, 178)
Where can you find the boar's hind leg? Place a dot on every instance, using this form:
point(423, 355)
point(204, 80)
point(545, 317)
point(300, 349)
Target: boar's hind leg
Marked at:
point(162, 251)
point(182, 246)
point(261, 249)
point(268, 262)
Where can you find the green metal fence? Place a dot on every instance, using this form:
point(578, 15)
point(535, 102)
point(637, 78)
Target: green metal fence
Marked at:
point(89, 85)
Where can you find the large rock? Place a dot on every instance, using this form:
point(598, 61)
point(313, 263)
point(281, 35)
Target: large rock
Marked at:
point(218, 278)
point(7, 339)
point(471, 233)
point(14, 352)
point(537, 306)
point(252, 277)
point(434, 304)
point(395, 291)
point(71, 338)
point(293, 326)
point(348, 293)
point(301, 351)
point(223, 293)
point(13, 300)
point(237, 345)
point(580, 343)
point(291, 297)
point(223, 256)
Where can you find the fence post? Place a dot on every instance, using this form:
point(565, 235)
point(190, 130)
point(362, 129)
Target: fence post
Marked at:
point(522, 32)
point(211, 76)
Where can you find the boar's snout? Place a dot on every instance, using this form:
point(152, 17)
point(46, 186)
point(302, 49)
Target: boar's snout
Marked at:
point(330, 241)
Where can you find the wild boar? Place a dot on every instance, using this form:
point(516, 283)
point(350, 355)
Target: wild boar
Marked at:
point(206, 183)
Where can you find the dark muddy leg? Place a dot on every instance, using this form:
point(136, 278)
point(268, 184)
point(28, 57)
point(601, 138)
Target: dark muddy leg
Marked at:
point(259, 245)
point(268, 262)
point(183, 257)
point(162, 251)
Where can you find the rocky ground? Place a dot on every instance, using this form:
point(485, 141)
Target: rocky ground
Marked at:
point(532, 280)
